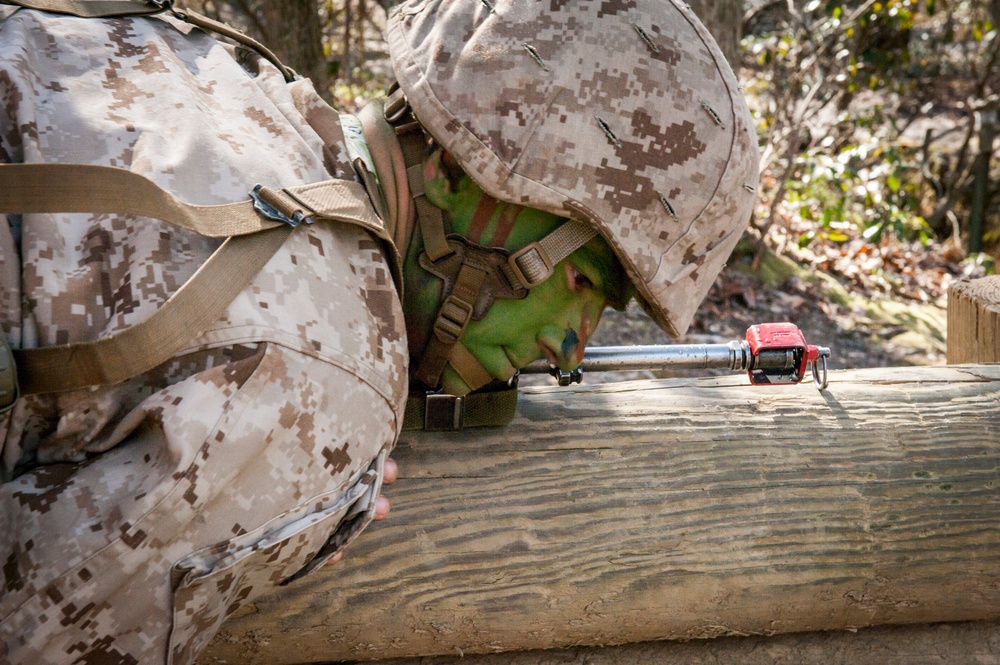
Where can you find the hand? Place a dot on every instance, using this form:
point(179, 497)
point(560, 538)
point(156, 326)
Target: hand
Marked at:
point(382, 506)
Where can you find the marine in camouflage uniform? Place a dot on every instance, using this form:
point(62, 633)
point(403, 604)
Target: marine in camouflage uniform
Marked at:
point(138, 516)
point(163, 503)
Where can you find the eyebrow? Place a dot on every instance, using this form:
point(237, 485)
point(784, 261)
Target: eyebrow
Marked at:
point(615, 282)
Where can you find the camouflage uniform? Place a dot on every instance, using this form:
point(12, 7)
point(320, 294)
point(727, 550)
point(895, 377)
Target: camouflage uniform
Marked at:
point(137, 516)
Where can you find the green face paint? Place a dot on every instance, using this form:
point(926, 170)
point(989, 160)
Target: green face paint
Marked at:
point(557, 317)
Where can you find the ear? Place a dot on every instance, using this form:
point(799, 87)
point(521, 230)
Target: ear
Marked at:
point(453, 171)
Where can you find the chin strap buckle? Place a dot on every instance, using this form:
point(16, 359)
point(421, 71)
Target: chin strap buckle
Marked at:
point(443, 412)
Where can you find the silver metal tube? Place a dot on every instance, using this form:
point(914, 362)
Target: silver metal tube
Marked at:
point(734, 355)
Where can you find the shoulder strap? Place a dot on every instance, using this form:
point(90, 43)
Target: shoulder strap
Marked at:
point(68, 188)
point(141, 347)
point(203, 299)
point(123, 8)
point(91, 8)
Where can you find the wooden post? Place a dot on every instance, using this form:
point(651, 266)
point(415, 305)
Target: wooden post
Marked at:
point(668, 509)
point(974, 321)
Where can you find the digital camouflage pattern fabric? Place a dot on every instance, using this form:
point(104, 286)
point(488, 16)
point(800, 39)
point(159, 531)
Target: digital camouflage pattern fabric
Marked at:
point(621, 113)
point(136, 517)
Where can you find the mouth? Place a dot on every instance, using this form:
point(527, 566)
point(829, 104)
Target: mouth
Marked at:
point(550, 355)
point(512, 366)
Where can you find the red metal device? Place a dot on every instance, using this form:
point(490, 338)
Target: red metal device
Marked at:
point(779, 354)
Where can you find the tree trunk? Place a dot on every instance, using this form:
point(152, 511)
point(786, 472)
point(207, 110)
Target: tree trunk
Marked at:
point(974, 321)
point(724, 19)
point(670, 509)
point(296, 37)
point(289, 28)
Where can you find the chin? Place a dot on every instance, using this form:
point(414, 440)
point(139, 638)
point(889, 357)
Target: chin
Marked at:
point(451, 384)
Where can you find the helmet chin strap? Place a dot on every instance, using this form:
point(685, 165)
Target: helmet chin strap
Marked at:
point(473, 275)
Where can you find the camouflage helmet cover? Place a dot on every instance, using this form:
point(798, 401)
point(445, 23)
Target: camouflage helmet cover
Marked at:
point(621, 113)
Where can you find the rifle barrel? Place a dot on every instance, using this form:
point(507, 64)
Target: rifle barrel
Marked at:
point(734, 355)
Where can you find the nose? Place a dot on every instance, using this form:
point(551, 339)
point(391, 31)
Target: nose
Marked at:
point(566, 343)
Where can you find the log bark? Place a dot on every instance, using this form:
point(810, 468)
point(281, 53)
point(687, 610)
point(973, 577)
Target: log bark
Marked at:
point(974, 321)
point(670, 509)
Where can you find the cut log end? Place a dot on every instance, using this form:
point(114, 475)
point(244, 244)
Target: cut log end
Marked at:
point(974, 321)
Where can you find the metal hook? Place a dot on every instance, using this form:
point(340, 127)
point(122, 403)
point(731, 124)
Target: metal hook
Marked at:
point(820, 383)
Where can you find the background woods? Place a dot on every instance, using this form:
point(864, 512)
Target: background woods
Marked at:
point(876, 121)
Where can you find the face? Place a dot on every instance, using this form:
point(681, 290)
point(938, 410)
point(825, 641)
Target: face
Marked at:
point(555, 321)
point(557, 317)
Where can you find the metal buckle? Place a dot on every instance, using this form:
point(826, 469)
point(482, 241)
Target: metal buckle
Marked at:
point(269, 211)
point(537, 254)
point(452, 319)
point(396, 105)
point(443, 413)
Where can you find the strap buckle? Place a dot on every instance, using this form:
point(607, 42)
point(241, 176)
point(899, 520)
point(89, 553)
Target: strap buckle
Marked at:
point(531, 265)
point(261, 205)
point(396, 105)
point(451, 321)
point(443, 413)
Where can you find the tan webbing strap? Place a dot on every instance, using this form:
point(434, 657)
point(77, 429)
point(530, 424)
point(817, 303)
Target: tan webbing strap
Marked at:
point(388, 158)
point(206, 23)
point(452, 318)
point(88, 188)
point(121, 8)
point(68, 188)
point(533, 264)
point(141, 347)
point(90, 8)
point(468, 368)
point(438, 412)
point(430, 218)
point(60, 188)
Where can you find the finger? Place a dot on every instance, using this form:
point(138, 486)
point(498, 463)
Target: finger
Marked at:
point(390, 472)
point(335, 558)
point(381, 508)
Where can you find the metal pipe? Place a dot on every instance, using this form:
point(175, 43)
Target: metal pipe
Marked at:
point(735, 356)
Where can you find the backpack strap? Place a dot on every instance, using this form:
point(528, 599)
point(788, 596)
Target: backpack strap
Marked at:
point(151, 342)
point(123, 8)
point(91, 8)
point(252, 241)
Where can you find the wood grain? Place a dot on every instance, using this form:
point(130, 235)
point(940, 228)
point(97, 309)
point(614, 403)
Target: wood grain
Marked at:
point(974, 321)
point(669, 509)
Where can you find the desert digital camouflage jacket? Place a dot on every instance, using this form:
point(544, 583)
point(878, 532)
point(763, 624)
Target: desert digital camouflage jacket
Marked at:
point(135, 517)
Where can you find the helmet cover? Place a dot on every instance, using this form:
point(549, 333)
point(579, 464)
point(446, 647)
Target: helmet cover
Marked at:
point(622, 113)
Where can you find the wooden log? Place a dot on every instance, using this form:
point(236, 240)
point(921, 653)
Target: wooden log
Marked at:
point(969, 643)
point(670, 509)
point(974, 321)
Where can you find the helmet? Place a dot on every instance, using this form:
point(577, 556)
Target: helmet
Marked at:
point(620, 114)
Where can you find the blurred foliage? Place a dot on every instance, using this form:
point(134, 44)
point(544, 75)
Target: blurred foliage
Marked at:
point(870, 115)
